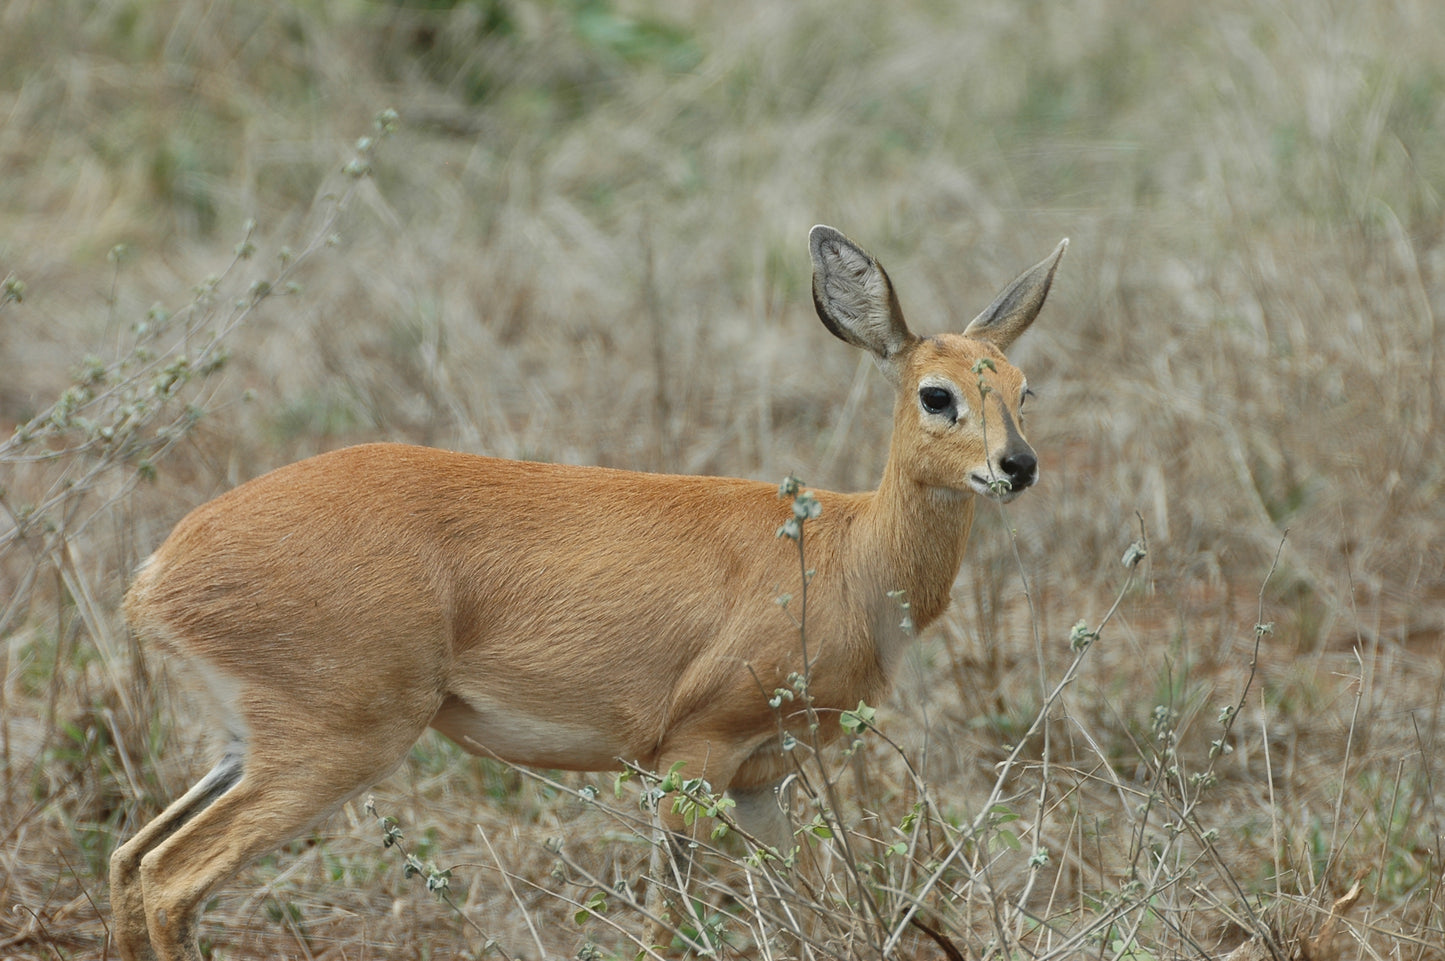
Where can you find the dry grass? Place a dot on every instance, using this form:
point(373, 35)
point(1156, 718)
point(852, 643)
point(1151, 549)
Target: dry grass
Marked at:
point(586, 243)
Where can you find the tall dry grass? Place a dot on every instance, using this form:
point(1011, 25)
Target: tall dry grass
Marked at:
point(585, 243)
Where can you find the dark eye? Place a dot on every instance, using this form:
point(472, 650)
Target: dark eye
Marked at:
point(935, 400)
point(1025, 396)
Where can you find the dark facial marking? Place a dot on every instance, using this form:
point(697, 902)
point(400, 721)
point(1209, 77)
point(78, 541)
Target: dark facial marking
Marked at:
point(1012, 436)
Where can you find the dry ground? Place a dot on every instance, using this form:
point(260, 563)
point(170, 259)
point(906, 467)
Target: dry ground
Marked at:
point(585, 242)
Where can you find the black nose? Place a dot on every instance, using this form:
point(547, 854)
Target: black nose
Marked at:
point(1021, 468)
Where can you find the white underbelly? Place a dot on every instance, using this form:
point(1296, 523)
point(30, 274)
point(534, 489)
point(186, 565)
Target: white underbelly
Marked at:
point(535, 741)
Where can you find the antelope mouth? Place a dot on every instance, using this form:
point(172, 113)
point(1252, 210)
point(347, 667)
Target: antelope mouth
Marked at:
point(996, 488)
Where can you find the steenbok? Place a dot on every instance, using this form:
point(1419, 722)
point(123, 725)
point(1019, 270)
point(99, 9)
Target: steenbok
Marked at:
point(552, 616)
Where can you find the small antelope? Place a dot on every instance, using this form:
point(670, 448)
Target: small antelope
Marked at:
point(555, 616)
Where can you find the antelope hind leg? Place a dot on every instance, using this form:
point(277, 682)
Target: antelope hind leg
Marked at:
point(127, 895)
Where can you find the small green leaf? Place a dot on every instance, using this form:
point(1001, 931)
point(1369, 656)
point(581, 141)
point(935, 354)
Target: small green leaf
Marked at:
point(1001, 814)
point(820, 828)
point(596, 903)
point(858, 719)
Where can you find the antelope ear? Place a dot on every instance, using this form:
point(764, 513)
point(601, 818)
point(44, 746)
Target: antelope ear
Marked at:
point(1014, 310)
point(855, 299)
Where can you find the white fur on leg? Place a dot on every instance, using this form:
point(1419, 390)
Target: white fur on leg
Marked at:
point(763, 812)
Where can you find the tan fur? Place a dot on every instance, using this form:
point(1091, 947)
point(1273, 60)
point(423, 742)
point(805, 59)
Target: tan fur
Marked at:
point(564, 617)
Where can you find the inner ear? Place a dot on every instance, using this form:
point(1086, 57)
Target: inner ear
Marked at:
point(1015, 308)
point(855, 299)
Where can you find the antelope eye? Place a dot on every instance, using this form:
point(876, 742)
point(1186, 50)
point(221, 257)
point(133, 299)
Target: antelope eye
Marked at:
point(935, 400)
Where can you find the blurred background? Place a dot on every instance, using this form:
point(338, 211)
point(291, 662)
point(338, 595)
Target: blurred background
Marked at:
point(583, 239)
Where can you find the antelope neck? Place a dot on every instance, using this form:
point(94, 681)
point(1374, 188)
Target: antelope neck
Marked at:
point(917, 535)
